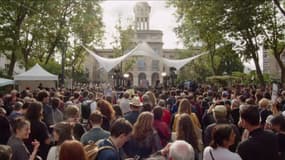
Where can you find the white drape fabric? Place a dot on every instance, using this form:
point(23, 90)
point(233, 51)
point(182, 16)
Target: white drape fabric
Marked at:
point(179, 63)
point(142, 49)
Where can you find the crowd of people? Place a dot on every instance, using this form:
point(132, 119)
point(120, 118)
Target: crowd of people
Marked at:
point(208, 123)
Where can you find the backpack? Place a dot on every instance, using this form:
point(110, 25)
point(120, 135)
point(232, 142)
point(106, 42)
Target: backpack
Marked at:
point(85, 109)
point(92, 150)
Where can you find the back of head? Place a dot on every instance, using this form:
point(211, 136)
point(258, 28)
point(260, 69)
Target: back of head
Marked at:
point(34, 111)
point(221, 133)
point(18, 105)
point(181, 150)
point(120, 126)
point(157, 113)
point(278, 120)
point(64, 131)
point(250, 114)
point(220, 112)
point(42, 94)
point(71, 111)
point(264, 103)
point(161, 103)
point(96, 117)
point(72, 149)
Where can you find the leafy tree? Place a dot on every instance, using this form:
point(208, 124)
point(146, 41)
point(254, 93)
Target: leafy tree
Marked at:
point(273, 31)
point(37, 29)
point(278, 5)
point(124, 42)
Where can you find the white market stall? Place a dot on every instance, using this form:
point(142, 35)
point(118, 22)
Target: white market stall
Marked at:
point(5, 82)
point(34, 77)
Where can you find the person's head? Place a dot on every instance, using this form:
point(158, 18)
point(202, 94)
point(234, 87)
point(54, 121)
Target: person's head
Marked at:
point(85, 93)
point(152, 98)
point(264, 103)
point(135, 104)
point(223, 135)
point(18, 106)
point(71, 113)
point(278, 123)
point(35, 111)
point(161, 103)
point(184, 106)
point(118, 111)
point(121, 130)
point(76, 95)
point(91, 96)
point(220, 112)
point(96, 118)
point(146, 99)
point(106, 109)
point(157, 113)
point(43, 96)
point(55, 102)
point(185, 130)
point(5, 152)
point(249, 116)
point(62, 131)
point(21, 128)
point(181, 150)
point(72, 149)
point(126, 95)
point(143, 125)
point(235, 104)
point(146, 108)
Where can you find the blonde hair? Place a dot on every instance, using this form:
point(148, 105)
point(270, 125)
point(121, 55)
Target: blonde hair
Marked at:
point(143, 125)
point(184, 106)
point(152, 98)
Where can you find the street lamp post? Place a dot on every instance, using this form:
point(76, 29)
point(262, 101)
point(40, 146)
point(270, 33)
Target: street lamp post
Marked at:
point(164, 75)
point(126, 77)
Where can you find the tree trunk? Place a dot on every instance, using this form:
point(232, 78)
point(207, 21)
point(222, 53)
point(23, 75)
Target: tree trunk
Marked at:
point(12, 64)
point(258, 70)
point(277, 3)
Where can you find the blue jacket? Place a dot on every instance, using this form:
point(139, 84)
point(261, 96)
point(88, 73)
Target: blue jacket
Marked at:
point(109, 154)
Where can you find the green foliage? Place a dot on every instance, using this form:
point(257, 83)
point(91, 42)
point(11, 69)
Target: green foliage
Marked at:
point(36, 30)
point(123, 43)
point(227, 28)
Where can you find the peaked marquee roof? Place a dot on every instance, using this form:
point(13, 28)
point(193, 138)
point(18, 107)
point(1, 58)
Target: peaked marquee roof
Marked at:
point(36, 73)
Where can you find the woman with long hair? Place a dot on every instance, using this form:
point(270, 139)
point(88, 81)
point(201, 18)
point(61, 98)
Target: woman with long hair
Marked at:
point(145, 139)
point(108, 112)
point(223, 138)
point(72, 149)
point(62, 131)
point(39, 130)
point(185, 107)
point(185, 131)
point(21, 129)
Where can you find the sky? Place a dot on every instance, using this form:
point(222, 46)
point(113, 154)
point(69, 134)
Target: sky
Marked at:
point(161, 18)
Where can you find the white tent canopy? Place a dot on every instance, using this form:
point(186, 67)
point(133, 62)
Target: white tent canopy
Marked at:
point(36, 73)
point(142, 49)
point(4, 82)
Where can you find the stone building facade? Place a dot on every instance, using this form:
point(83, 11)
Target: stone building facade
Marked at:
point(145, 71)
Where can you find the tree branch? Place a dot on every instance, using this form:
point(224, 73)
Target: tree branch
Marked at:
point(277, 4)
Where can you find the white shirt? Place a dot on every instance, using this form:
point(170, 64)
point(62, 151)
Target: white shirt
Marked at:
point(125, 105)
point(220, 153)
point(53, 153)
point(93, 106)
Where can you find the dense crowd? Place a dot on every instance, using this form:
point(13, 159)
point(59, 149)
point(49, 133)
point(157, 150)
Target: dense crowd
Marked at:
point(208, 123)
